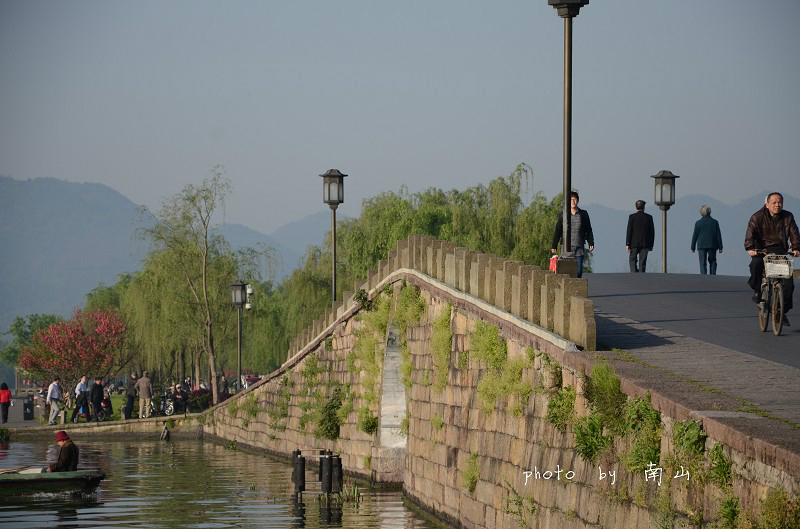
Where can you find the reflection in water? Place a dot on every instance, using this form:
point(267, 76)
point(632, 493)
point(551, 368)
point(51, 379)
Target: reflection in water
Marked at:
point(189, 484)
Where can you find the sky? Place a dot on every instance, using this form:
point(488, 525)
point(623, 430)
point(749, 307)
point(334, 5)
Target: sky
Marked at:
point(148, 96)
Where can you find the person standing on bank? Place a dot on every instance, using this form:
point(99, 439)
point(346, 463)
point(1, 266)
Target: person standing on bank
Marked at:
point(96, 398)
point(130, 393)
point(773, 229)
point(81, 400)
point(640, 238)
point(5, 400)
point(708, 239)
point(580, 228)
point(54, 397)
point(145, 390)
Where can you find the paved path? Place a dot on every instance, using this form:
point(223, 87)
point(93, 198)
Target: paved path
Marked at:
point(714, 309)
point(688, 326)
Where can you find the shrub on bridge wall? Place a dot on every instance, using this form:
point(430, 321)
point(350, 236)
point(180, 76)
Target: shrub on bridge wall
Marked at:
point(643, 424)
point(561, 408)
point(471, 473)
point(603, 392)
point(503, 378)
point(441, 347)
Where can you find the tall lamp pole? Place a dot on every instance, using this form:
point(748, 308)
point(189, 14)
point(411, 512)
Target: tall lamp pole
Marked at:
point(664, 198)
point(239, 296)
point(333, 195)
point(567, 9)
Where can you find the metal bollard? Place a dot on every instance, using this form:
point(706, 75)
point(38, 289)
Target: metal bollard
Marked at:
point(325, 462)
point(336, 474)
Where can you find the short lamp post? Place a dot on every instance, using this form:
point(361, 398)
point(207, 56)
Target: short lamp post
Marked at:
point(333, 195)
point(567, 9)
point(239, 292)
point(664, 198)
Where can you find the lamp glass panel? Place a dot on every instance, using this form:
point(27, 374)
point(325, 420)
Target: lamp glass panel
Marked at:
point(341, 191)
point(658, 192)
point(236, 295)
point(671, 187)
point(334, 191)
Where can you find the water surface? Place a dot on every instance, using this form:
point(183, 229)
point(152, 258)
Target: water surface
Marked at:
point(189, 484)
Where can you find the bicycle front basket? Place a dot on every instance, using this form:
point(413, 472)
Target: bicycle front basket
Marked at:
point(777, 266)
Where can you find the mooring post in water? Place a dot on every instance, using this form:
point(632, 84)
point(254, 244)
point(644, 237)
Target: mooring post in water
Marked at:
point(325, 463)
point(298, 472)
point(336, 474)
point(319, 469)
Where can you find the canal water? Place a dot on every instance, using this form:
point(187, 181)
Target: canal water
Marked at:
point(190, 484)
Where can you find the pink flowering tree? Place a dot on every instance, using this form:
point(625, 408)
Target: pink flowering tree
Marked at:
point(91, 343)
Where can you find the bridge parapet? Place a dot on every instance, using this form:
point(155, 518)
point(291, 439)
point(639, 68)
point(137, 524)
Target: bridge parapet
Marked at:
point(557, 303)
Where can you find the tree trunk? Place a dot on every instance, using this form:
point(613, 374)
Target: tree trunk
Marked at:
point(196, 381)
point(212, 363)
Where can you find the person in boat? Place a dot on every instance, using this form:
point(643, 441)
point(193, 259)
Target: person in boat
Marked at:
point(67, 455)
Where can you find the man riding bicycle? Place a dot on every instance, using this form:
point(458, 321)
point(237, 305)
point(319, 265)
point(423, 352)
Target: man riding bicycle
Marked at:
point(771, 228)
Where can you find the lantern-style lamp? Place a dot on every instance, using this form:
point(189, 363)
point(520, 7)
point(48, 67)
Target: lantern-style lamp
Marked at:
point(239, 293)
point(665, 189)
point(664, 198)
point(568, 8)
point(333, 187)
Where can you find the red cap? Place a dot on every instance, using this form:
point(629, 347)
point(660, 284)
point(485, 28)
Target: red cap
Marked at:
point(61, 435)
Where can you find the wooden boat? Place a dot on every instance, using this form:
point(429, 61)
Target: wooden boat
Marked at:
point(14, 482)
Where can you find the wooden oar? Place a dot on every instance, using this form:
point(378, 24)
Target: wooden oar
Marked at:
point(12, 470)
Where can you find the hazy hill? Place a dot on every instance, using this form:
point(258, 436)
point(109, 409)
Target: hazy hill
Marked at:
point(609, 231)
point(60, 239)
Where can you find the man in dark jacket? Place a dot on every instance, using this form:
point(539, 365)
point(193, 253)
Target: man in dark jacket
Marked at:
point(67, 455)
point(640, 237)
point(581, 228)
point(130, 393)
point(773, 229)
point(96, 397)
point(708, 239)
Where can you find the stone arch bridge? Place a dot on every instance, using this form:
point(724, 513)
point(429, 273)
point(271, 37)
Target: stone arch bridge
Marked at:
point(473, 381)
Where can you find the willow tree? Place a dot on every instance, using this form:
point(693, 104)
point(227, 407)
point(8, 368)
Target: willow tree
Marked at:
point(183, 226)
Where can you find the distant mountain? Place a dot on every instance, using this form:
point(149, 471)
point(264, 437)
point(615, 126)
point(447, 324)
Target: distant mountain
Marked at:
point(609, 232)
point(300, 234)
point(59, 240)
point(240, 236)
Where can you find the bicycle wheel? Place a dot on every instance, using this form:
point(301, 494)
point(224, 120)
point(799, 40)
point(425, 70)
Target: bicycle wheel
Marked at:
point(101, 415)
point(763, 308)
point(777, 308)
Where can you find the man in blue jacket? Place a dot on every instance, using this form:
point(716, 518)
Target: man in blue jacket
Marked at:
point(707, 239)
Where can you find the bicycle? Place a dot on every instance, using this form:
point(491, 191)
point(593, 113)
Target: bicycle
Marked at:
point(777, 267)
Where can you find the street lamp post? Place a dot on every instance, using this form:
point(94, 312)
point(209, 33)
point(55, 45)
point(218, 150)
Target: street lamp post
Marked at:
point(567, 9)
point(333, 195)
point(664, 198)
point(239, 297)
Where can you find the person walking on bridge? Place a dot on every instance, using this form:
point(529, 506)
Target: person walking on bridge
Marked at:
point(773, 229)
point(708, 239)
point(581, 231)
point(640, 237)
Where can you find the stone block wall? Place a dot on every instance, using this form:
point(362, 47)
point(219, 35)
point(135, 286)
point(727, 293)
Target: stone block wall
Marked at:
point(513, 455)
